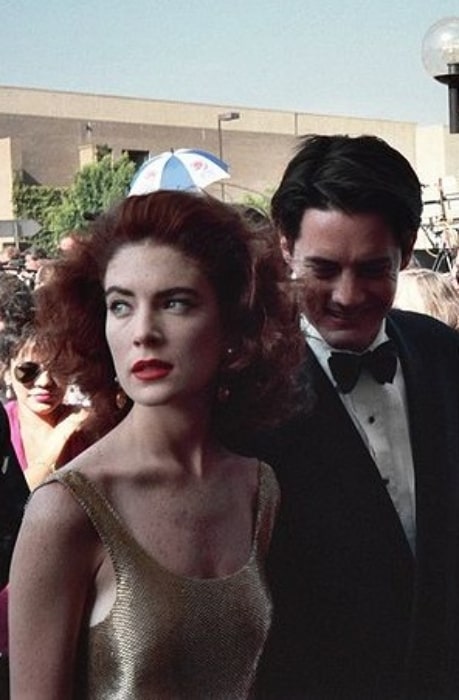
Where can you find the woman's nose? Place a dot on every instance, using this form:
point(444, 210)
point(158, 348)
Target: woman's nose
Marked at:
point(44, 378)
point(148, 330)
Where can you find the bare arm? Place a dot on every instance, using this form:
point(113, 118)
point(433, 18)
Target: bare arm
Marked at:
point(54, 453)
point(51, 577)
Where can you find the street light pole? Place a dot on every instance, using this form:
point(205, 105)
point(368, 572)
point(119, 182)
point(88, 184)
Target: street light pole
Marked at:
point(451, 79)
point(440, 55)
point(225, 117)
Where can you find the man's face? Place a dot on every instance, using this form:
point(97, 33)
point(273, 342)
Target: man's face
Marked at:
point(348, 265)
point(31, 263)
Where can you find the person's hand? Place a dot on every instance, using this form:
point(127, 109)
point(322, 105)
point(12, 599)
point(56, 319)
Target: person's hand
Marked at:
point(37, 472)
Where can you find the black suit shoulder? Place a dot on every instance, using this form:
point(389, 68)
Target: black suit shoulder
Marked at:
point(421, 328)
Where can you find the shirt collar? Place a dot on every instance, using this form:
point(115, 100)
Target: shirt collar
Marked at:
point(322, 350)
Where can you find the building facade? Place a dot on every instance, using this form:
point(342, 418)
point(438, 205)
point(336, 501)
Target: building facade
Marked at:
point(47, 136)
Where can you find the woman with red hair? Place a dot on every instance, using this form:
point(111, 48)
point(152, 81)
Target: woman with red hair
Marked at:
point(140, 565)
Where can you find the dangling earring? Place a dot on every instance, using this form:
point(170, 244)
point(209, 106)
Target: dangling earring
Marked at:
point(293, 275)
point(9, 393)
point(223, 391)
point(120, 396)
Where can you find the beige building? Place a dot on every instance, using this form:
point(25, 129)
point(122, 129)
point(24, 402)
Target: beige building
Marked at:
point(49, 135)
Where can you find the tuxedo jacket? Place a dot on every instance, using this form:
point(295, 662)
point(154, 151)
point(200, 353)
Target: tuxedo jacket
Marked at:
point(355, 614)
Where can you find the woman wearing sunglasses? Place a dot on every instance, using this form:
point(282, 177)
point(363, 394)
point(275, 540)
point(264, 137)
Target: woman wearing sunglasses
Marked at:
point(45, 432)
point(152, 583)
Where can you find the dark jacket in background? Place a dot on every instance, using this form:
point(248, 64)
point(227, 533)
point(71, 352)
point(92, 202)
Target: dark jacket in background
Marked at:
point(13, 496)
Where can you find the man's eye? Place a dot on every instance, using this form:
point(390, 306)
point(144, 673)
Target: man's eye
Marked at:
point(374, 271)
point(323, 270)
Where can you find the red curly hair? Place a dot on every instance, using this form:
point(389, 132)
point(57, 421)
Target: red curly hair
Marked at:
point(247, 272)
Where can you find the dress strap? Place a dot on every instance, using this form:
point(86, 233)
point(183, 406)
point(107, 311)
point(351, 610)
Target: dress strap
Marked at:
point(106, 521)
point(268, 506)
point(116, 537)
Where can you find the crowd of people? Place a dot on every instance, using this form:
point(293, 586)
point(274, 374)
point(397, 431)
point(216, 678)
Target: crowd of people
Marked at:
point(429, 292)
point(255, 492)
point(25, 264)
point(44, 429)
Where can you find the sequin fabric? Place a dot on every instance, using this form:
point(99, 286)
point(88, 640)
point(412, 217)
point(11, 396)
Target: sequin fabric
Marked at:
point(169, 636)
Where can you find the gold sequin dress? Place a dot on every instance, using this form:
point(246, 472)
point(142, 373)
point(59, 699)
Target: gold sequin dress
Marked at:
point(170, 636)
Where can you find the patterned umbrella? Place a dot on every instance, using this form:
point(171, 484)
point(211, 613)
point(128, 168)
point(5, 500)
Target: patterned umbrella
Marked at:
point(183, 169)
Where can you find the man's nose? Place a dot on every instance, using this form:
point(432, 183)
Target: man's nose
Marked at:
point(348, 290)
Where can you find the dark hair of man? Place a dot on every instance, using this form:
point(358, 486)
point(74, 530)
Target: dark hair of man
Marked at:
point(36, 253)
point(16, 301)
point(355, 175)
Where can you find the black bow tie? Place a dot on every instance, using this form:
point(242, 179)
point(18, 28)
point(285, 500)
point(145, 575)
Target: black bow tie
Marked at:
point(381, 364)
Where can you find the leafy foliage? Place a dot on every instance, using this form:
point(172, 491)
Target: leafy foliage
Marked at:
point(95, 188)
point(261, 202)
point(39, 203)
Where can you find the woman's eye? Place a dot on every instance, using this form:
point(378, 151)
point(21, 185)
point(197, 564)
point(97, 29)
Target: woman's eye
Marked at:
point(119, 308)
point(178, 305)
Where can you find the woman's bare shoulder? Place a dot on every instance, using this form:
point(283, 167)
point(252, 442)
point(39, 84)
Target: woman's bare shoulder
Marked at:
point(52, 506)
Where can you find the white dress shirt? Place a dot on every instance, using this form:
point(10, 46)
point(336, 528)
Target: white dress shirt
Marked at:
point(379, 411)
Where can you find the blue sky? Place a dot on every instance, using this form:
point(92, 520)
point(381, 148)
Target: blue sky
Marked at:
point(348, 57)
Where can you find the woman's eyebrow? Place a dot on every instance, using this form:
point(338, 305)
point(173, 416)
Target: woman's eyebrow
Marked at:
point(176, 290)
point(118, 290)
point(115, 289)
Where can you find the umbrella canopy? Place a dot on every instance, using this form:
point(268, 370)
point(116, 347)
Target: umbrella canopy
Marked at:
point(183, 169)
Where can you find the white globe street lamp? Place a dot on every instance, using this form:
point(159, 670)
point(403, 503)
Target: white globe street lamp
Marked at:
point(440, 56)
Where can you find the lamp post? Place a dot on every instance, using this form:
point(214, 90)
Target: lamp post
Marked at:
point(440, 55)
point(225, 117)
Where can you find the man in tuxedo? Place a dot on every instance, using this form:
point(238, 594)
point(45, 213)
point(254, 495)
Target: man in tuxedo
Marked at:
point(364, 561)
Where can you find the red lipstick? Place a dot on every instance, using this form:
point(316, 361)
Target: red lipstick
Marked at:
point(149, 370)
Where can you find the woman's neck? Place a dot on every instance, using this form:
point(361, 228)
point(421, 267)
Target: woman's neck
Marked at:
point(171, 435)
point(40, 422)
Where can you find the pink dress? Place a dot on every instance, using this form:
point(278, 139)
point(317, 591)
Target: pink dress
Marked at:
point(77, 446)
point(11, 409)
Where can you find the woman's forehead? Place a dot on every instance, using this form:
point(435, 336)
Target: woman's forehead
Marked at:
point(150, 262)
point(28, 350)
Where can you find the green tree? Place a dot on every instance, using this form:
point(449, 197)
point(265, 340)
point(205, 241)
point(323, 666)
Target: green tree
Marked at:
point(95, 188)
point(261, 202)
point(39, 203)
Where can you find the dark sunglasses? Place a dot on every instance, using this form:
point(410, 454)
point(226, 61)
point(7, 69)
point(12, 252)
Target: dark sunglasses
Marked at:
point(28, 371)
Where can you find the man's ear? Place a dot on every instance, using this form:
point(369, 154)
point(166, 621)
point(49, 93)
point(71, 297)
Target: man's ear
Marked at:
point(406, 256)
point(287, 255)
